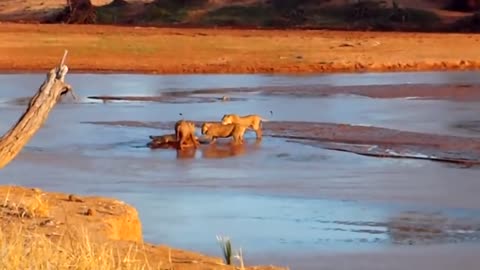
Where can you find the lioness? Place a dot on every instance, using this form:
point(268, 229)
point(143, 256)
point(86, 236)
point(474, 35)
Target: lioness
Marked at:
point(185, 134)
point(218, 130)
point(251, 121)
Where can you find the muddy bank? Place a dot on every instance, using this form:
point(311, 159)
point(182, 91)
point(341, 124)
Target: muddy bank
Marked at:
point(458, 92)
point(58, 216)
point(95, 48)
point(365, 140)
point(381, 142)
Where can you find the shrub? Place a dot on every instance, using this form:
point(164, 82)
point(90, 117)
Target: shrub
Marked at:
point(464, 5)
point(237, 15)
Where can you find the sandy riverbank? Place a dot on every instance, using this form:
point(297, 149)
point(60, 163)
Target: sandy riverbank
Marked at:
point(95, 48)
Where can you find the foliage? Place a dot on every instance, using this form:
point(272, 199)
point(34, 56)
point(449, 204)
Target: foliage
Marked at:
point(464, 5)
point(377, 15)
point(468, 24)
point(240, 15)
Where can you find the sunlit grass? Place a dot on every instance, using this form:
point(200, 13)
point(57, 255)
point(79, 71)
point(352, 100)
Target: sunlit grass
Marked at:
point(23, 249)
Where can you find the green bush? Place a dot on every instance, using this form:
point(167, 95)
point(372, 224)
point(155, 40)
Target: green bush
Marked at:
point(371, 14)
point(179, 4)
point(237, 15)
point(468, 24)
point(285, 5)
point(160, 14)
point(108, 14)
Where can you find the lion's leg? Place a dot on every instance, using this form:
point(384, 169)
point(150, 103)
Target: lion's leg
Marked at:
point(195, 143)
point(182, 140)
point(259, 133)
point(237, 139)
point(213, 140)
point(180, 144)
point(177, 134)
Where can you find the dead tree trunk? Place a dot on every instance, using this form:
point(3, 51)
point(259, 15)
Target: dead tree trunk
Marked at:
point(37, 112)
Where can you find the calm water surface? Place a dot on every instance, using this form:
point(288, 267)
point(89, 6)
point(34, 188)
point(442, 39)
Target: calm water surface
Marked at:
point(275, 197)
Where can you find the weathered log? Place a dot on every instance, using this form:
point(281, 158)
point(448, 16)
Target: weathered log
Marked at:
point(36, 114)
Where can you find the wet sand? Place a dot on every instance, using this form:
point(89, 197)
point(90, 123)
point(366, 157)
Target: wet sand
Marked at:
point(181, 51)
point(287, 200)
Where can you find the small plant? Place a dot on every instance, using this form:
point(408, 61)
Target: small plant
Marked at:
point(239, 257)
point(226, 246)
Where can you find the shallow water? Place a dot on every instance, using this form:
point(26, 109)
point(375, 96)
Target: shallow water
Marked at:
point(275, 197)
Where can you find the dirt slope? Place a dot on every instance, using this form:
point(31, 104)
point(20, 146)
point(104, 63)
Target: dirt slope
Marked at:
point(102, 221)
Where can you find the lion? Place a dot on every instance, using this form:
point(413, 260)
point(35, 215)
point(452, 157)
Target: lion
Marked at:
point(252, 121)
point(218, 130)
point(185, 134)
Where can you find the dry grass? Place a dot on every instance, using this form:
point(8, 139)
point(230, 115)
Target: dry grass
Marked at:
point(44, 230)
point(35, 206)
point(38, 207)
point(22, 249)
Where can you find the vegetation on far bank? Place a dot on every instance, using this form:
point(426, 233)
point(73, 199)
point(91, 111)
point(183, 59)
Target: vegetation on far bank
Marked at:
point(351, 15)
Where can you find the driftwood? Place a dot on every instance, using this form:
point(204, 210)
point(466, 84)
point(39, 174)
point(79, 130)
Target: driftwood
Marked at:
point(36, 114)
